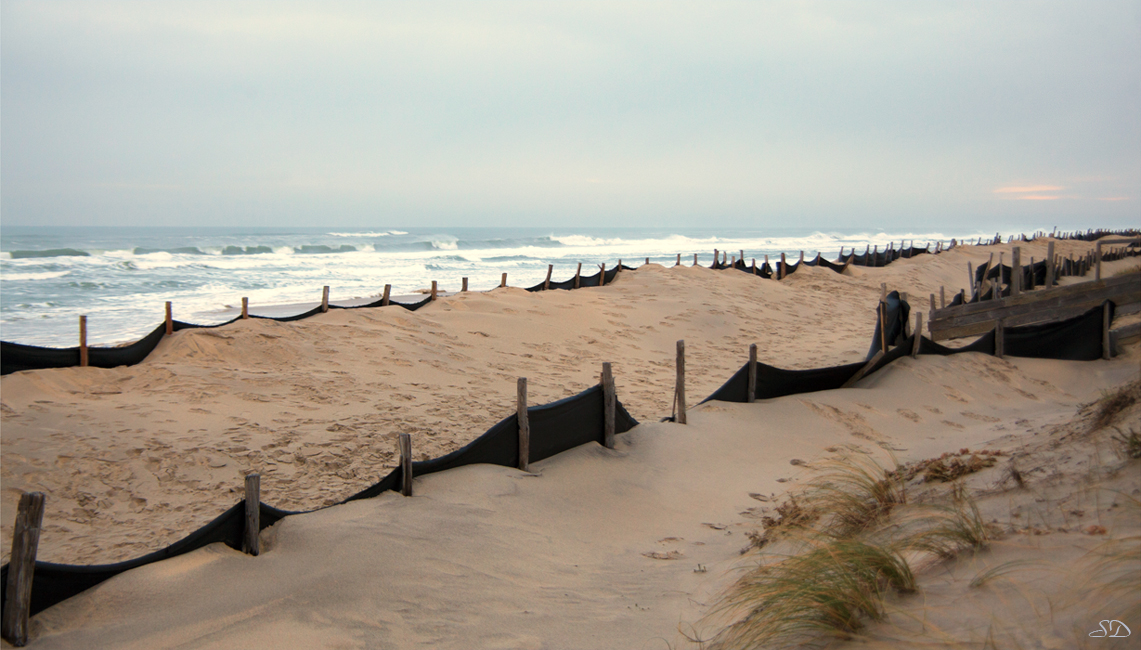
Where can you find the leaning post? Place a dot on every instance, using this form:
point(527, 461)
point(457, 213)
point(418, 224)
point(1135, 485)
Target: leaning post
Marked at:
point(21, 567)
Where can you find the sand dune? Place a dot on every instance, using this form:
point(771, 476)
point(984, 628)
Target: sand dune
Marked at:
point(134, 458)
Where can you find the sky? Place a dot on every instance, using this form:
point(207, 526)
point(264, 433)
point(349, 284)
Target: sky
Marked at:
point(687, 114)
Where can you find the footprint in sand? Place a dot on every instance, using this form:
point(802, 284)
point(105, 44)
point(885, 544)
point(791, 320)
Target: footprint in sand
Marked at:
point(980, 418)
point(953, 425)
point(910, 415)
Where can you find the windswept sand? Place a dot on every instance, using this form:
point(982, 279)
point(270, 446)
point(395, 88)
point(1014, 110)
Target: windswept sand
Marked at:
point(134, 458)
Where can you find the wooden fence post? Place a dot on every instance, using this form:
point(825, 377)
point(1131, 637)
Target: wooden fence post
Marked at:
point(883, 326)
point(547, 282)
point(250, 545)
point(245, 308)
point(679, 386)
point(647, 261)
point(999, 339)
point(783, 266)
point(83, 341)
point(524, 424)
point(608, 405)
point(918, 334)
point(21, 568)
point(404, 443)
point(1106, 348)
point(463, 288)
point(742, 251)
point(1097, 261)
point(678, 260)
point(169, 318)
point(942, 298)
point(434, 290)
point(387, 293)
point(602, 276)
point(751, 396)
point(695, 259)
point(716, 256)
point(578, 276)
point(801, 258)
point(503, 281)
point(324, 299)
point(1015, 271)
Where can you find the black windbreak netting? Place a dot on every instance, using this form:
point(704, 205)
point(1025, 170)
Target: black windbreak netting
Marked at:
point(15, 357)
point(555, 428)
point(896, 313)
point(584, 280)
point(1037, 271)
point(1075, 339)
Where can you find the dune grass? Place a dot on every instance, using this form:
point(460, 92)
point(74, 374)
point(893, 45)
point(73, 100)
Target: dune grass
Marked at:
point(854, 494)
point(829, 590)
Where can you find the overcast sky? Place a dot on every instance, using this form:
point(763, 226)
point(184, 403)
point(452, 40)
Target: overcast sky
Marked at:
point(842, 114)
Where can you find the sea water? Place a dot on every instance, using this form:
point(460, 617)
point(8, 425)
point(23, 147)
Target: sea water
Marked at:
point(120, 278)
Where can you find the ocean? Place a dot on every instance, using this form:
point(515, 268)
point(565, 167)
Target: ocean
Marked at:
point(120, 278)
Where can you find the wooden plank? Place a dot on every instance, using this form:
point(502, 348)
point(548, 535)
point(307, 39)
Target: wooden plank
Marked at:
point(1130, 333)
point(751, 395)
point(524, 424)
point(250, 544)
point(679, 386)
point(1132, 280)
point(83, 341)
point(404, 443)
point(21, 568)
point(608, 405)
point(1121, 295)
point(863, 371)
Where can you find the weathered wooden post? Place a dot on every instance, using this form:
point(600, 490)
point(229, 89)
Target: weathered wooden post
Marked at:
point(942, 298)
point(695, 259)
point(678, 260)
point(883, 326)
point(618, 267)
point(602, 276)
point(783, 265)
point(578, 276)
point(250, 545)
point(83, 341)
point(752, 394)
point(755, 271)
point(918, 333)
point(679, 386)
point(1106, 348)
point(932, 305)
point(547, 282)
point(647, 261)
point(524, 425)
point(463, 287)
point(1097, 261)
point(324, 299)
point(999, 339)
point(1030, 276)
point(169, 318)
point(384, 298)
point(503, 281)
point(608, 405)
point(1015, 271)
point(801, 258)
point(434, 290)
point(404, 443)
point(21, 568)
point(742, 251)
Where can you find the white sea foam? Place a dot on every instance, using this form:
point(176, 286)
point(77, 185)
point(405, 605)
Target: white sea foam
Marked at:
point(16, 277)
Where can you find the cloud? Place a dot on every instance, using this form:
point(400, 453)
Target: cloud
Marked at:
point(1038, 197)
point(1114, 198)
point(1028, 188)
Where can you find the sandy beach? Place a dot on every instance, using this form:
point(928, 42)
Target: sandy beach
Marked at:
point(623, 548)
